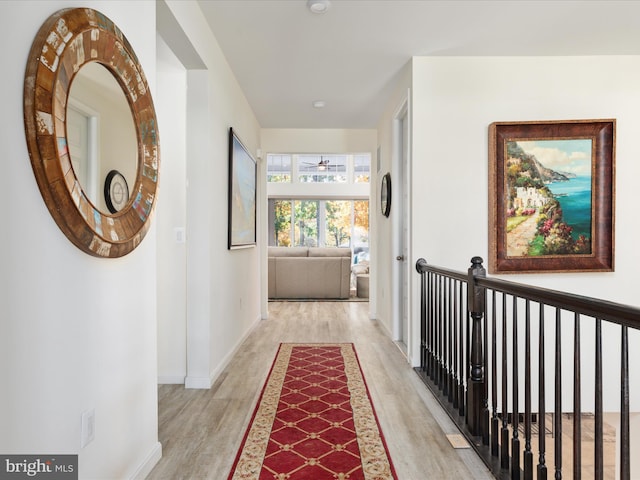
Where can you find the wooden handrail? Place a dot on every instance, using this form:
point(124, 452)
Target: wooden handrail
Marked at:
point(593, 307)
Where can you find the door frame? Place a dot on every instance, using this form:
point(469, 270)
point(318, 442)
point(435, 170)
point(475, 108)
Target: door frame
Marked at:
point(401, 272)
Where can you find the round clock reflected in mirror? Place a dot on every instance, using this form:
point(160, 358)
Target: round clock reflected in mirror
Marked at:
point(116, 191)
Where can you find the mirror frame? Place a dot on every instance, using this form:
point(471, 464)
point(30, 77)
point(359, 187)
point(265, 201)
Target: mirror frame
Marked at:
point(67, 40)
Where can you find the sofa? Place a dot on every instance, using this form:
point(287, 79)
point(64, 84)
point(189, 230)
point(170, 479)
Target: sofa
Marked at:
point(309, 272)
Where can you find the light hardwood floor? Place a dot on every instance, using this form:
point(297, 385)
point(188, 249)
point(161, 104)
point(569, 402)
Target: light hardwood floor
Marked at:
point(201, 430)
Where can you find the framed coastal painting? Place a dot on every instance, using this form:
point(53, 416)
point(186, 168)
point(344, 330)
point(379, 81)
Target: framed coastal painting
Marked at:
point(551, 196)
point(242, 195)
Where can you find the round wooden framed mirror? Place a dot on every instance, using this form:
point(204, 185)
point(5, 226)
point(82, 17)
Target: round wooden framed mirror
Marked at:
point(67, 41)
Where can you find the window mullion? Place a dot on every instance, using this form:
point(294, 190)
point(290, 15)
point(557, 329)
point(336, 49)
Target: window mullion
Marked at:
point(352, 169)
point(322, 223)
point(294, 169)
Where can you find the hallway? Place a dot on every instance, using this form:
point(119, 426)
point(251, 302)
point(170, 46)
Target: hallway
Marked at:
point(201, 430)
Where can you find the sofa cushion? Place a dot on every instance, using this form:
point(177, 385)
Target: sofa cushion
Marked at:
point(329, 252)
point(287, 251)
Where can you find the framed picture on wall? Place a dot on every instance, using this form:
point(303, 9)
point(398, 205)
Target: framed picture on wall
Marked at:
point(242, 194)
point(551, 205)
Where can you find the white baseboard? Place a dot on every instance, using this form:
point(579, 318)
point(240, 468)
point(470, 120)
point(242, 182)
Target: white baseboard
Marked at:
point(147, 465)
point(171, 380)
point(384, 327)
point(207, 382)
point(198, 382)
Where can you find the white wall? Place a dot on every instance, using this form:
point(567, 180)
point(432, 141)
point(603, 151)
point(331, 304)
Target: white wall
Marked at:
point(76, 332)
point(455, 100)
point(171, 108)
point(384, 237)
point(318, 141)
point(223, 287)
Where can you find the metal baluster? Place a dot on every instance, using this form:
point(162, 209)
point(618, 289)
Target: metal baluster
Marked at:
point(439, 333)
point(515, 442)
point(436, 297)
point(456, 378)
point(625, 460)
point(504, 441)
point(462, 315)
point(542, 414)
point(557, 413)
point(577, 407)
point(434, 330)
point(429, 320)
point(599, 432)
point(423, 320)
point(528, 454)
point(467, 352)
point(446, 318)
point(495, 422)
point(443, 341)
point(452, 341)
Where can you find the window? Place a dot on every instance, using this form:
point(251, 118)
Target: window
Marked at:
point(361, 168)
point(310, 168)
point(324, 223)
point(322, 168)
point(278, 168)
point(361, 225)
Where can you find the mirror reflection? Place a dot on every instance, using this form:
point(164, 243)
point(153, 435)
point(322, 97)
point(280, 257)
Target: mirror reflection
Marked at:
point(101, 135)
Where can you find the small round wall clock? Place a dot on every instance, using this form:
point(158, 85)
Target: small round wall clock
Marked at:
point(385, 195)
point(116, 191)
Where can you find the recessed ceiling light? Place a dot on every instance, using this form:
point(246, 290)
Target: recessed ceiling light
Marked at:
point(318, 6)
point(319, 104)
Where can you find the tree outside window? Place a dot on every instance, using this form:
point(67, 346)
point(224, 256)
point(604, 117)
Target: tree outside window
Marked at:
point(282, 223)
point(310, 223)
point(306, 223)
point(338, 223)
point(361, 221)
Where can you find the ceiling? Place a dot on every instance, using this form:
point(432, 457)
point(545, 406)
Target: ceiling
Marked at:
point(286, 57)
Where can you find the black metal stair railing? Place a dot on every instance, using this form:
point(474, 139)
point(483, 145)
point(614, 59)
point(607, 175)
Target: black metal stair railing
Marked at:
point(482, 342)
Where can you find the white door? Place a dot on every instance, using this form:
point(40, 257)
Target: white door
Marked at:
point(77, 138)
point(82, 138)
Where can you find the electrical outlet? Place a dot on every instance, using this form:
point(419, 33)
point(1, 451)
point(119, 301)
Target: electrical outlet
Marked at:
point(180, 234)
point(88, 430)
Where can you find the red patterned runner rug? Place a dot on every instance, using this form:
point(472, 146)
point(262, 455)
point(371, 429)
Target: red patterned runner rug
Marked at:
point(314, 420)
